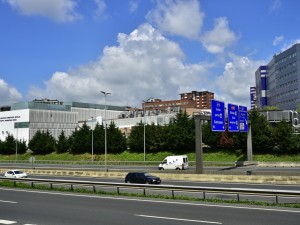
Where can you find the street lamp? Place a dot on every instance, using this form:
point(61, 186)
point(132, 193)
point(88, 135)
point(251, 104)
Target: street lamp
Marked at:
point(144, 102)
point(105, 93)
point(92, 139)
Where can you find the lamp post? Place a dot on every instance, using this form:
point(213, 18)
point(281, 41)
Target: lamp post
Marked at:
point(105, 138)
point(92, 140)
point(144, 102)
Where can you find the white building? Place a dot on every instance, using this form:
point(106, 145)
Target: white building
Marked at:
point(24, 119)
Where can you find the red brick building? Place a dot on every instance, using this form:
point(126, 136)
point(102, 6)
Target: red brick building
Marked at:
point(190, 102)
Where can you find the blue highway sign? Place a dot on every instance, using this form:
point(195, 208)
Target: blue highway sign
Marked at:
point(243, 119)
point(217, 115)
point(233, 118)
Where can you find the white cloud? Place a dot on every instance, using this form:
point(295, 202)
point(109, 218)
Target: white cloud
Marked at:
point(233, 86)
point(178, 17)
point(101, 7)
point(216, 40)
point(133, 5)
point(289, 44)
point(277, 40)
point(57, 10)
point(276, 5)
point(144, 64)
point(8, 94)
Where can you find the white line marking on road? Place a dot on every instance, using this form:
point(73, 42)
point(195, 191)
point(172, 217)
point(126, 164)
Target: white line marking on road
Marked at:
point(157, 201)
point(7, 201)
point(187, 220)
point(7, 222)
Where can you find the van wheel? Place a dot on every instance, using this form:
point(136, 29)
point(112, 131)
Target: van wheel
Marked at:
point(177, 168)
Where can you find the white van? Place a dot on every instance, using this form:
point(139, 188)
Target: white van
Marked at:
point(175, 162)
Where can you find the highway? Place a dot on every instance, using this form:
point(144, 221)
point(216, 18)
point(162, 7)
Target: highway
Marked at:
point(210, 169)
point(178, 182)
point(48, 208)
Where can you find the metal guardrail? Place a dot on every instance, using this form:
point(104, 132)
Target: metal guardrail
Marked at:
point(171, 188)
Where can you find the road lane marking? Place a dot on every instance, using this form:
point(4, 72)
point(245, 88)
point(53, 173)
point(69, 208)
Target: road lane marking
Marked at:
point(179, 219)
point(155, 201)
point(7, 201)
point(7, 222)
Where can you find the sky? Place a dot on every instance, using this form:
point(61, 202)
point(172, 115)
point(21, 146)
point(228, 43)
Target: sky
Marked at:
point(71, 50)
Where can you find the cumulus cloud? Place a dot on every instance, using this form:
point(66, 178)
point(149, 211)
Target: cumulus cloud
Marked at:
point(57, 10)
point(233, 86)
point(277, 40)
point(8, 94)
point(220, 37)
point(178, 17)
point(144, 64)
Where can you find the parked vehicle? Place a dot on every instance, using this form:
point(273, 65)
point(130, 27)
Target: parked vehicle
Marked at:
point(15, 174)
point(175, 162)
point(142, 178)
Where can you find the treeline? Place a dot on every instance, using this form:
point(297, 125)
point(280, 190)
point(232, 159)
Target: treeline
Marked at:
point(177, 137)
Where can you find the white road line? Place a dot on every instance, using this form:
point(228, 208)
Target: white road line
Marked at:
point(187, 220)
point(275, 209)
point(7, 201)
point(7, 222)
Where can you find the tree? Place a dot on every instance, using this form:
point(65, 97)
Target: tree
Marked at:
point(80, 142)
point(210, 137)
point(181, 133)
point(42, 143)
point(99, 137)
point(62, 143)
point(284, 139)
point(9, 145)
point(136, 138)
point(261, 132)
point(116, 141)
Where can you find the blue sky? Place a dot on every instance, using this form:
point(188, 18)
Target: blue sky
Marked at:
point(71, 50)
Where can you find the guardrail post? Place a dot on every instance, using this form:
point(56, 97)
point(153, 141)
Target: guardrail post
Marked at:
point(51, 186)
point(15, 183)
point(32, 185)
point(276, 199)
point(118, 190)
point(72, 187)
point(238, 197)
point(144, 191)
point(94, 189)
point(203, 195)
point(173, 195)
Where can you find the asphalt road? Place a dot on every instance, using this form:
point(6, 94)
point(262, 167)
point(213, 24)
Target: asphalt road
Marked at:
point(212, 169)
point(49, 208)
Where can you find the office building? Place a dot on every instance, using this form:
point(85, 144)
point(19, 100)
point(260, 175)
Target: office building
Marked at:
point(277, 83)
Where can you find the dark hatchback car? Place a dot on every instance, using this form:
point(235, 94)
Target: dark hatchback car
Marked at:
point(142, 178)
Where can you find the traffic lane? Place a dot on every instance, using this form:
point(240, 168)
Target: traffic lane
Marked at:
point(179, 182)
point(35, 207)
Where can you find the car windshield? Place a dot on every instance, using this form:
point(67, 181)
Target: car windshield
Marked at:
point(18, 172)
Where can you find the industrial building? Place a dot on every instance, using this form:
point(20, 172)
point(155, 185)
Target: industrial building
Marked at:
point(23, 120)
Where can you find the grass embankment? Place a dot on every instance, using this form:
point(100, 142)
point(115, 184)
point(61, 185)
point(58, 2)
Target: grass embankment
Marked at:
point(209, 156)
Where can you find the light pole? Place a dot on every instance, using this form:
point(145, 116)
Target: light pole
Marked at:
point(105, 94)
point(92, 140)
point(144, 102)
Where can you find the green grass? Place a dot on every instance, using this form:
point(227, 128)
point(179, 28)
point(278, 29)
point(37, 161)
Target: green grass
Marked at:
point(209, 155)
